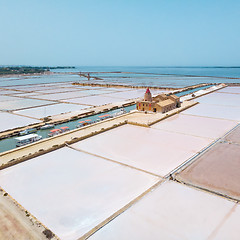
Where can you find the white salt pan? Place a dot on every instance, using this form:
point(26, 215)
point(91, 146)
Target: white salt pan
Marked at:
point(172, 211)
point(149, 149)
point(72, 192)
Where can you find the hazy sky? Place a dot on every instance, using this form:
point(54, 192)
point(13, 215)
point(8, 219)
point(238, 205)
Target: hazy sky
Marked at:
point(120, 33)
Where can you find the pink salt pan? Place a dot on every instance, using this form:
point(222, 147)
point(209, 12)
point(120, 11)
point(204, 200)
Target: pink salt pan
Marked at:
point(152, 150)
point(216, 170)
point(72, 192)
point(172, 211)
point(196, 125)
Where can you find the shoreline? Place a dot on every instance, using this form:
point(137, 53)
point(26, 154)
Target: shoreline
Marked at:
point(109, 85)
point(117, 72)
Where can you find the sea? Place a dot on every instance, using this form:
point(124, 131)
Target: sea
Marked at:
point(166, 77)
point(231, 72)
point(175, 77)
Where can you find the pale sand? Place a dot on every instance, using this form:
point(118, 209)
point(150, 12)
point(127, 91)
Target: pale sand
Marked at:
point(14, 224)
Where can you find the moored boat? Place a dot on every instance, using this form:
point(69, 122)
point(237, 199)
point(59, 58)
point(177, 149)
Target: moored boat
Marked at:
point(120, 112)
point(64, 129)
point(27, 139)
point(54, 132)
point(105, 116)
point(84, 123)
point(27, 131)
point(47, 126)
point(81, 124)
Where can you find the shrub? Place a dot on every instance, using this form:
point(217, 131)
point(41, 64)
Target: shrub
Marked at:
point(49, 234)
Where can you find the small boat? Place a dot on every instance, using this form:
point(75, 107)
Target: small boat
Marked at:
point(47, 126)
point(54, 132)
point(27, 131)
point(32, 130)
point(81, 124)
point(64, 129)
point(88, 121)
point(24, 140)
point(105, 116)
point(84, 123)
point(119, 113)
point(24, 132)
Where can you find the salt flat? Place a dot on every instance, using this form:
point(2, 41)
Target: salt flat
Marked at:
point(223, 99)
point(10, 121)
point(215, 111)
point(172, 211)
point(27, 94)
point(218, 105)
point(95, 100)
point(69, 94)
point(234, 136)
point(72, 192)
point(139, 93)
point(58, 90)
point(50, 110)
point(152, 150)
point(23, 103)
point(4, 98)
point(60, 96)
point(9, 92)
point(196, 125)
point(234, 90)
point(230, 229)
point(216, 170)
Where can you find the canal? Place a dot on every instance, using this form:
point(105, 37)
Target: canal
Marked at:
point(180, 94)
point(10, 143)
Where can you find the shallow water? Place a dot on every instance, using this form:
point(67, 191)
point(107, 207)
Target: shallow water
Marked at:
point(39, 80)
point(196, 71)
point(135, 76)
point(191, 91)
point(10, 143)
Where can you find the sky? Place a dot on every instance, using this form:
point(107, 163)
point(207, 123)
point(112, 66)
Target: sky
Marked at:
point(120, 32)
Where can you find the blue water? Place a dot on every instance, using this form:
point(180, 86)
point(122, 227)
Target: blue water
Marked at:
point(191, 91)
point(10, 143)
point(135, 76)
point(196, 71)
point(44, 79)
point(176, 77)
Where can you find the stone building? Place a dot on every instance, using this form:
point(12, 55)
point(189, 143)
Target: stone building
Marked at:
point(160, 103)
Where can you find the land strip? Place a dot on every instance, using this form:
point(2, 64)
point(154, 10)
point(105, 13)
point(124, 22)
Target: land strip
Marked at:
point(17, 223)
point(27, 152)
point(109, 85)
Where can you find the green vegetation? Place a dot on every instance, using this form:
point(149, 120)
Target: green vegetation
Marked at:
point(27, 69)
point(21, 70)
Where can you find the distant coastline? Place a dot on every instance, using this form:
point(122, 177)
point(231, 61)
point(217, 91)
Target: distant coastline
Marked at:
point(29, 70)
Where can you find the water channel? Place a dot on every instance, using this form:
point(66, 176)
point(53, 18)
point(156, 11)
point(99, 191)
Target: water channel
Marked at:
point(10, 143)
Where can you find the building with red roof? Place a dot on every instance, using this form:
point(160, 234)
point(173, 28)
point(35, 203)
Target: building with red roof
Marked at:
point(161, 103)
